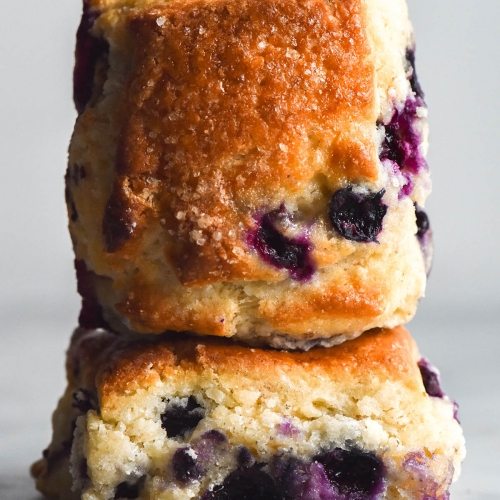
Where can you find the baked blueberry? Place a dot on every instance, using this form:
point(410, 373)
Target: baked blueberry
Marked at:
point(401, 143)
point(353, 474)
point(357, 216)
point(185, 466)
point(181, 417)
point(431, 378)
point(292, 254)
point(423, 224)
point(301, 479)
point(236, 451)
point(126, 490)
point(246, 484)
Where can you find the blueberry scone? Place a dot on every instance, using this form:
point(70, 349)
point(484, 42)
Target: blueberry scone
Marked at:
point(154, 419)
point(249, 169)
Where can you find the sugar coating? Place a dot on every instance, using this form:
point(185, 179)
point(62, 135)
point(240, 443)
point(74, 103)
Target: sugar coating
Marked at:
point(202, 120)
point(282, 410)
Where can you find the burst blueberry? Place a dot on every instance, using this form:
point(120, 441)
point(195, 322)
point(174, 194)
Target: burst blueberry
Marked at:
point(292, 254)
point(353, 474)
point(402, 140)
point(178, 419)
point(401, 144)
point(357, 216)
point(301, 480)
point(430, 378)
point(246, 484)
point(185, 466)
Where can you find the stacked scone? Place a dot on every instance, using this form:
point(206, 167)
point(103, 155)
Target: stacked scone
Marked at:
point(253, 170)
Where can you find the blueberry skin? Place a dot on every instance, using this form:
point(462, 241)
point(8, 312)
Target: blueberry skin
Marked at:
point(302, 480)
point(185, 466)
point(357, 216)
point(353, 474)
point(129, 491)
point(335, 475)
point(246, 484)
point(423, 224)
point(424, 237)
point(401, 144)
point(178, 420)
point(430, 378)
point(292, 254)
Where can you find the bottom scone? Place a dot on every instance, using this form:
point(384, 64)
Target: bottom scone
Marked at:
point(191, 418)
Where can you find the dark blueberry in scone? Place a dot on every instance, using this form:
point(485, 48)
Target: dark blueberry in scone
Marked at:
point(423, 224)
point(185, 466)
point(412, 75)
point(181, 417)
point(431, 379)
point(353, 474)
point(292, 254)
point(88, 50)
point(246, 484)
point(424, 236)
point(357, 216)
point(127, 490)
point(301, 479)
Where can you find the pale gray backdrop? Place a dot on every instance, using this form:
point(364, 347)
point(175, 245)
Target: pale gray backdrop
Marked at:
point(458, 64)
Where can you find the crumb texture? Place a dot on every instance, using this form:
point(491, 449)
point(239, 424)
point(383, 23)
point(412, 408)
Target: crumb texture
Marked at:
point(180, 418)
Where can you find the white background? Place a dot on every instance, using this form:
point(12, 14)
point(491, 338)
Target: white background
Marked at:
point(458, 64)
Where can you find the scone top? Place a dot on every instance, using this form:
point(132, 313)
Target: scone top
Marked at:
point(229, 106)
point(213, 143)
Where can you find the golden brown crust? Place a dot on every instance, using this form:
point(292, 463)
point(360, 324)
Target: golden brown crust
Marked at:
point(148, 311)
point(385, 354)
point(222, 102)
point(211, 117)
point(365, 394)
point(346, 301)
point(349, 301)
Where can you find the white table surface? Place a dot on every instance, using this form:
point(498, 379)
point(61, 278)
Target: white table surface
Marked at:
point(33, 338)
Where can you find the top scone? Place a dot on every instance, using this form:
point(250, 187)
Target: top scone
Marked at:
point(248, 168)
